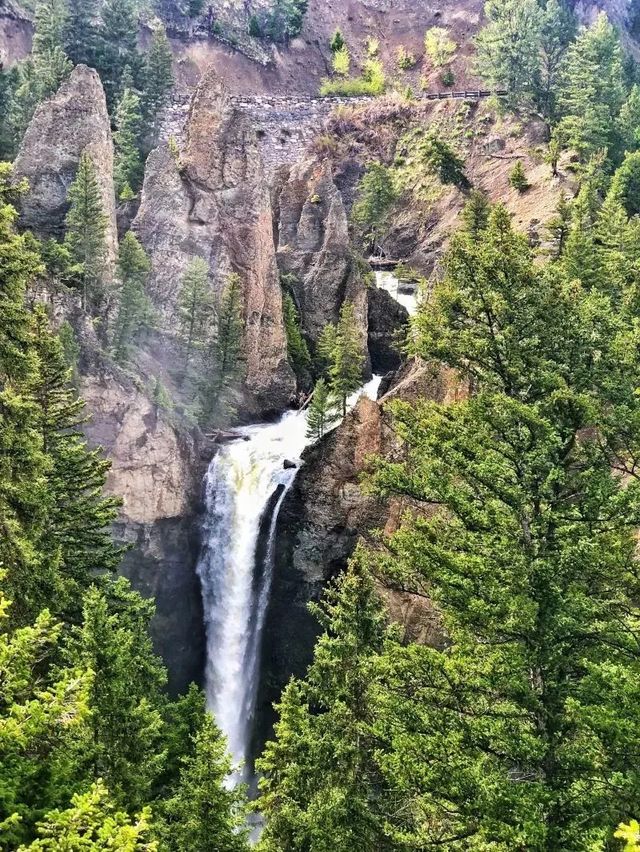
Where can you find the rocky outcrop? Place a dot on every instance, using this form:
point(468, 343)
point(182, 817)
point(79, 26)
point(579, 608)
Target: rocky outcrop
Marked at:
point(388, 321)
point(212, 202)
point(322, 518)
point(313, 247)
point(72, 121)
point(157, 469)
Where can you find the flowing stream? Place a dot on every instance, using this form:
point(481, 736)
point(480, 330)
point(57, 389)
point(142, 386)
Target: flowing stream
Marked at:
point(246, 480)
point(406, 297)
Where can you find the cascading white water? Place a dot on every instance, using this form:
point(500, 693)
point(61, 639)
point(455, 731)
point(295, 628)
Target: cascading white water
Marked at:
point(241, 483)
point(388, 281)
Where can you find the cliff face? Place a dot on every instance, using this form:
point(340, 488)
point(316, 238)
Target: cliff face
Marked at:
point(214, 203)
point(314, 251)
point(72, 121)
point(157, 470)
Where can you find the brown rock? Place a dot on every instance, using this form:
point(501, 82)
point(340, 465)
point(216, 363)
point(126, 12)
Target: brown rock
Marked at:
point(72, 121)
point(215, 204)
point(314, 248)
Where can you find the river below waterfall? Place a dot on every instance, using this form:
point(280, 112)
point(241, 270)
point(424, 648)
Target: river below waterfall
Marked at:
point(246, 480)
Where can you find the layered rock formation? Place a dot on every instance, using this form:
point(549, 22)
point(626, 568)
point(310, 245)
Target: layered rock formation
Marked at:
point(213, 202)
point(313, 247)
point(72, 121)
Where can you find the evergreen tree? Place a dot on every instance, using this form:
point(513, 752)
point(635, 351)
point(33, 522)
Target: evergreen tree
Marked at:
point(592, 91)
point(509, 46)
point(195, 308)
point(475, 213)
point(629, 123)
point(337, 41)
point(81, 33)
point(204, 815)
point(517, 177)
point(86, 226)
point(559, 227)
point(123, 744)
point(23, 464)
point(377, 194)
point(134, 308)
point(128, 167)
point(322, 411)
point(340, 347)
point(117, 47)
point(297, 349)
point(37, 715)
point(44, 71)
point(224, 352)
point(440, 158)
point(327, 721)
point(158, 75)
point(79, 516)
point(93, 824)
point(557, 31)
point(625, 185)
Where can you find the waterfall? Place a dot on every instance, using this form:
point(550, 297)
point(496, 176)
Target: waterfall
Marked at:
point(244, 479)
point(389, 282)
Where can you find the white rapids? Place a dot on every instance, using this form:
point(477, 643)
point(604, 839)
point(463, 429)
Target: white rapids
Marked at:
point(242, 482)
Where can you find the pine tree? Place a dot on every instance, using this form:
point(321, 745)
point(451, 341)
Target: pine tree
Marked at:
point(195, 309)
point(225, 352)
point(86, 227)
point(23, 464)
point(592, 91)
point(337, 41)
point(47, 67)
point(204, 815)
point(81, 34)
point(38, 713)
point(377, 194)
point(322, 411)
point(117, 45)
point(328, 721)
point(341, 348)
point(559, 227)
point(79, 516)
point(625, 185)
point(134, 308)
point(475, 213)
point(158, 75)
point(297, 349)
point(517, 177)
point(92, 823)
point(557, 31)
point(128, 167)
point(629, 122)
point(509, 46)
point(123, 743)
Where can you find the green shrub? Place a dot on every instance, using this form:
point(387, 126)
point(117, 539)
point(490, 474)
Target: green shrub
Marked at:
point(447, 77)
point(404, 58)
point(341, 61)
point(439, 46)
point(255, 30)
point(373, 46)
